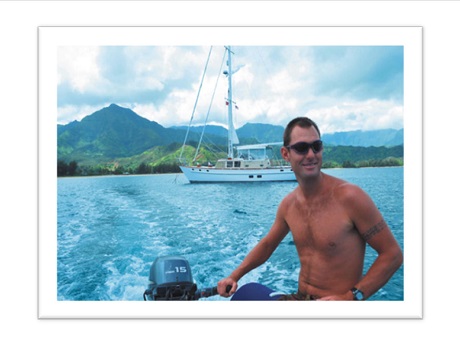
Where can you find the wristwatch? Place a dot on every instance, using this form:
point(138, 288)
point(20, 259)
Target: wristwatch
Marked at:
point(357, 294)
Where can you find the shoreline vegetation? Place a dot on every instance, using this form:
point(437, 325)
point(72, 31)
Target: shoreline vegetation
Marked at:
point(72, 168)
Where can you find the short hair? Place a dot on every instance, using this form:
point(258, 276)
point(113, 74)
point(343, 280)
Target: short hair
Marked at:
point(303, 122)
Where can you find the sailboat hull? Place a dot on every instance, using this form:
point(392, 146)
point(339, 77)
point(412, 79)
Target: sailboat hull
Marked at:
point(212, 174)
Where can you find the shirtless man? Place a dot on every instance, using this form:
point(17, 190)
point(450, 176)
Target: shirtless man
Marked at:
point(330, 220)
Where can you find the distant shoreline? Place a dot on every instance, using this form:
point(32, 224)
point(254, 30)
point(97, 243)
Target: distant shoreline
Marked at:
point(180, 173)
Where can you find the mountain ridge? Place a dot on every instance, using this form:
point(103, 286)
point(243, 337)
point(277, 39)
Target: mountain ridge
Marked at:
point(115, 132)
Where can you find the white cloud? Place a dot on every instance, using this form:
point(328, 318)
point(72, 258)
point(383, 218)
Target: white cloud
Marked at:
point(78, 67)
point(362, 115)
point(273, 85)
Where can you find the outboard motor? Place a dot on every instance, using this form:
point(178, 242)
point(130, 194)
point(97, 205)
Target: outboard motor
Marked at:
point(170, 279)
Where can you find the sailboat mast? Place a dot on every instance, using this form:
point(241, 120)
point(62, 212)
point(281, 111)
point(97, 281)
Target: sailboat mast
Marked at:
point(231, 128)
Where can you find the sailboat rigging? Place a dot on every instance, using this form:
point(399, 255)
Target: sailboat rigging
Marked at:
point(250, 164)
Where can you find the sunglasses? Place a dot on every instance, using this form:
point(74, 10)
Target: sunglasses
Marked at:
point(302, 147)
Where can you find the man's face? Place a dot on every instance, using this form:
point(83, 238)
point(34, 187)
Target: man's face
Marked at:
point(307, 164)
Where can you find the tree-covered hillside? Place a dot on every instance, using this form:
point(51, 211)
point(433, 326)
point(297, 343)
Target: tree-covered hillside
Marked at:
point(116, 140)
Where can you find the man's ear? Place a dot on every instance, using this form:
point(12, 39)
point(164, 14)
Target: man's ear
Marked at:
point(285, 153)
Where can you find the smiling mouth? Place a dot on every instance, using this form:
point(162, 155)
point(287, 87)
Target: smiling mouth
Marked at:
point(309, 164)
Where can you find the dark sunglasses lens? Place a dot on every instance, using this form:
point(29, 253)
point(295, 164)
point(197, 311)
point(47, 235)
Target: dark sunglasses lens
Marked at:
point(317, 146)
point(303, 147)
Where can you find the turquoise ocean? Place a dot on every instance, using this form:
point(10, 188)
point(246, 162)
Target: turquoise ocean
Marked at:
point(110, 229)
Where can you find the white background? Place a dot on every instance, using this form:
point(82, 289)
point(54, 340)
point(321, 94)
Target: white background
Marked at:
point(19, 21)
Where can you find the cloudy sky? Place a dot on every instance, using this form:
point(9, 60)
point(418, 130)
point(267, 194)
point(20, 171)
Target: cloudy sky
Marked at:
point(342, 88)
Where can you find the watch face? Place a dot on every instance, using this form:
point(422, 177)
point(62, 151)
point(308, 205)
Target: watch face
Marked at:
point(358, 295)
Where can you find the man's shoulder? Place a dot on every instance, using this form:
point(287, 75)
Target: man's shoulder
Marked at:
point(289, 198)
point(344, 189)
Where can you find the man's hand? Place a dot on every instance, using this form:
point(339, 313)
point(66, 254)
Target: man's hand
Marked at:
point(222, 287)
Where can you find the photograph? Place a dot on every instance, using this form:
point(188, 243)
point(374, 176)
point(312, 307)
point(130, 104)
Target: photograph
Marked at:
point(266, 170)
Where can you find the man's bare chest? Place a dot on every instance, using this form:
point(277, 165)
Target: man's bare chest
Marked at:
point(319, 225)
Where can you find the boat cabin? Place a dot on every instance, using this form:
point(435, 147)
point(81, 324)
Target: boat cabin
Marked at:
point(248, 156)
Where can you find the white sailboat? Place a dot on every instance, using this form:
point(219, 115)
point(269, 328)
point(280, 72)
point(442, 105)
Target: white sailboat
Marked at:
point(252, 163)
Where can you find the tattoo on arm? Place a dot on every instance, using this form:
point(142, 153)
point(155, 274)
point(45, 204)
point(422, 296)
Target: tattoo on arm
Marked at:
point(374, 230)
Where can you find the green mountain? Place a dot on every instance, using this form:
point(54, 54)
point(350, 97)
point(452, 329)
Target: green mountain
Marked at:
point(250, 133)
point(118, 136)
point(114, 132)
point(108, 133)
point(210, 129)
point(261, 133)
point(353, 156)
point(381, 137)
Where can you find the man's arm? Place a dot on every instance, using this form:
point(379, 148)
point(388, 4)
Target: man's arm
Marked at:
point(258, 255)
point(374, 230)
point(389, 258)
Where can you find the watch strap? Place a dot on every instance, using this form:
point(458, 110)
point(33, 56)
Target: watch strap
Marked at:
point(358, 295)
